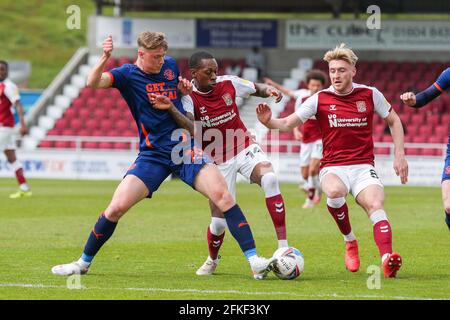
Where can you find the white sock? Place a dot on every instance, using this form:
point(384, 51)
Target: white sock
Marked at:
point(336, 202)
point(349, 237)
point(269, 184)
point(252, 259)
point(217, 226)
point(24, 187)
point(83, 263)
point(310, 183)
point(282, 244)
point(377, 216)
point(316, 181)
point(384, 257)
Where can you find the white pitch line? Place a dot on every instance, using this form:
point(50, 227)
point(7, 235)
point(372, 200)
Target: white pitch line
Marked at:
point(332, 295)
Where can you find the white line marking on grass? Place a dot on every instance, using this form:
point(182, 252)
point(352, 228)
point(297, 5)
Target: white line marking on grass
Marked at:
point(258, 293)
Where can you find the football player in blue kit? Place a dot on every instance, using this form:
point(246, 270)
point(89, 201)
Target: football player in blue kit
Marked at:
point(154, 79)
point(419, 100)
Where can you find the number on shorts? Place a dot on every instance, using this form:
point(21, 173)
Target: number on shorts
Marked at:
point(373, 174)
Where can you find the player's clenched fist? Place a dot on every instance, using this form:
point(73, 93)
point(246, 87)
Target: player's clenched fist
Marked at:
point(408, 98)
point(160, 102)
point(264, 113)
point(107, 46)
point(185, 86)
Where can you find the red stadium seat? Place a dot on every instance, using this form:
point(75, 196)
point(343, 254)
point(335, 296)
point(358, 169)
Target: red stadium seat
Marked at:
point(106, 125)
point(105, 145)
point(417, 118)
point(78, 103)
point(107, 104)
point(420, 139)
point(426, 130)
point(121, 126)
point(412, 151)
point(89, 145)
point(382, 151)
point(70, 113)
point(84, 114)
point(97, 114)
point(433, 120)
point(428, 152)
point(114, 114)
point(122, 145)
point(46, 144)
point(441, 130)
point(87, 92)
point(387, 138)
point(91, 124)
point(92, 103)
point(76, 124)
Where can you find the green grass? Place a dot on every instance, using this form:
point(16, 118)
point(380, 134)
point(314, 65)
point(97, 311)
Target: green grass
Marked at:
point(36, 31)
point(159, 244)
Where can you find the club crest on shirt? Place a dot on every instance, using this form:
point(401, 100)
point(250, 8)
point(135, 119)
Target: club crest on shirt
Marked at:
point(203, 109)
point(361, 106)
point(168, 74)
point(228, 99)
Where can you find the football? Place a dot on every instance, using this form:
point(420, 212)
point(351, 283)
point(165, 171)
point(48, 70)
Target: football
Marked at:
point(289, 263)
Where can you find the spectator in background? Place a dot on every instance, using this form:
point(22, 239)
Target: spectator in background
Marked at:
point(256, 59)
point(234, 69)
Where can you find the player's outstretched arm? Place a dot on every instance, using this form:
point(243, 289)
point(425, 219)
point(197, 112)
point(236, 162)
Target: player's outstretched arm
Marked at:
point(97, 78)
point(422, 98)
point(284, 90)
point(265, 91)
point(400, 163)
point(163, 103)
point(286, 124)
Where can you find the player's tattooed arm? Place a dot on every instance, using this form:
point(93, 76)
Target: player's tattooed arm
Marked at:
point(163, 103)
point(265, 91)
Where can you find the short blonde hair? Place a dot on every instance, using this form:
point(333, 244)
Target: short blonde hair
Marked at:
point(341, 52)
point(152, 40)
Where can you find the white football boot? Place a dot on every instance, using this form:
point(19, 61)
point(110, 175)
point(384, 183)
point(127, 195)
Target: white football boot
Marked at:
point(208, 267)
point(70, 269)
point(261, 267)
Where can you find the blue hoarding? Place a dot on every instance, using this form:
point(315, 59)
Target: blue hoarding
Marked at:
point(236, 33)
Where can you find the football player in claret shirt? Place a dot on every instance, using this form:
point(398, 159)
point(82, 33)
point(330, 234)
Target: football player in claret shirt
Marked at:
point(9, 97)
point(345, 114)
point(420, 100)
point(213, 104)
point(154, 80)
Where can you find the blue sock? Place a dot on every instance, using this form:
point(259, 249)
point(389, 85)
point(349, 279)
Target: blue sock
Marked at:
point(240, 229)
point(102, 231)
point(447, 219)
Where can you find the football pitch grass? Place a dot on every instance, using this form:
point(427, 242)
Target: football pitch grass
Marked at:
point(160, 243)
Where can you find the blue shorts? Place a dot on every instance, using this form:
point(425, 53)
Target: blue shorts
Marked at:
point(154, 167)
point(446, 171)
